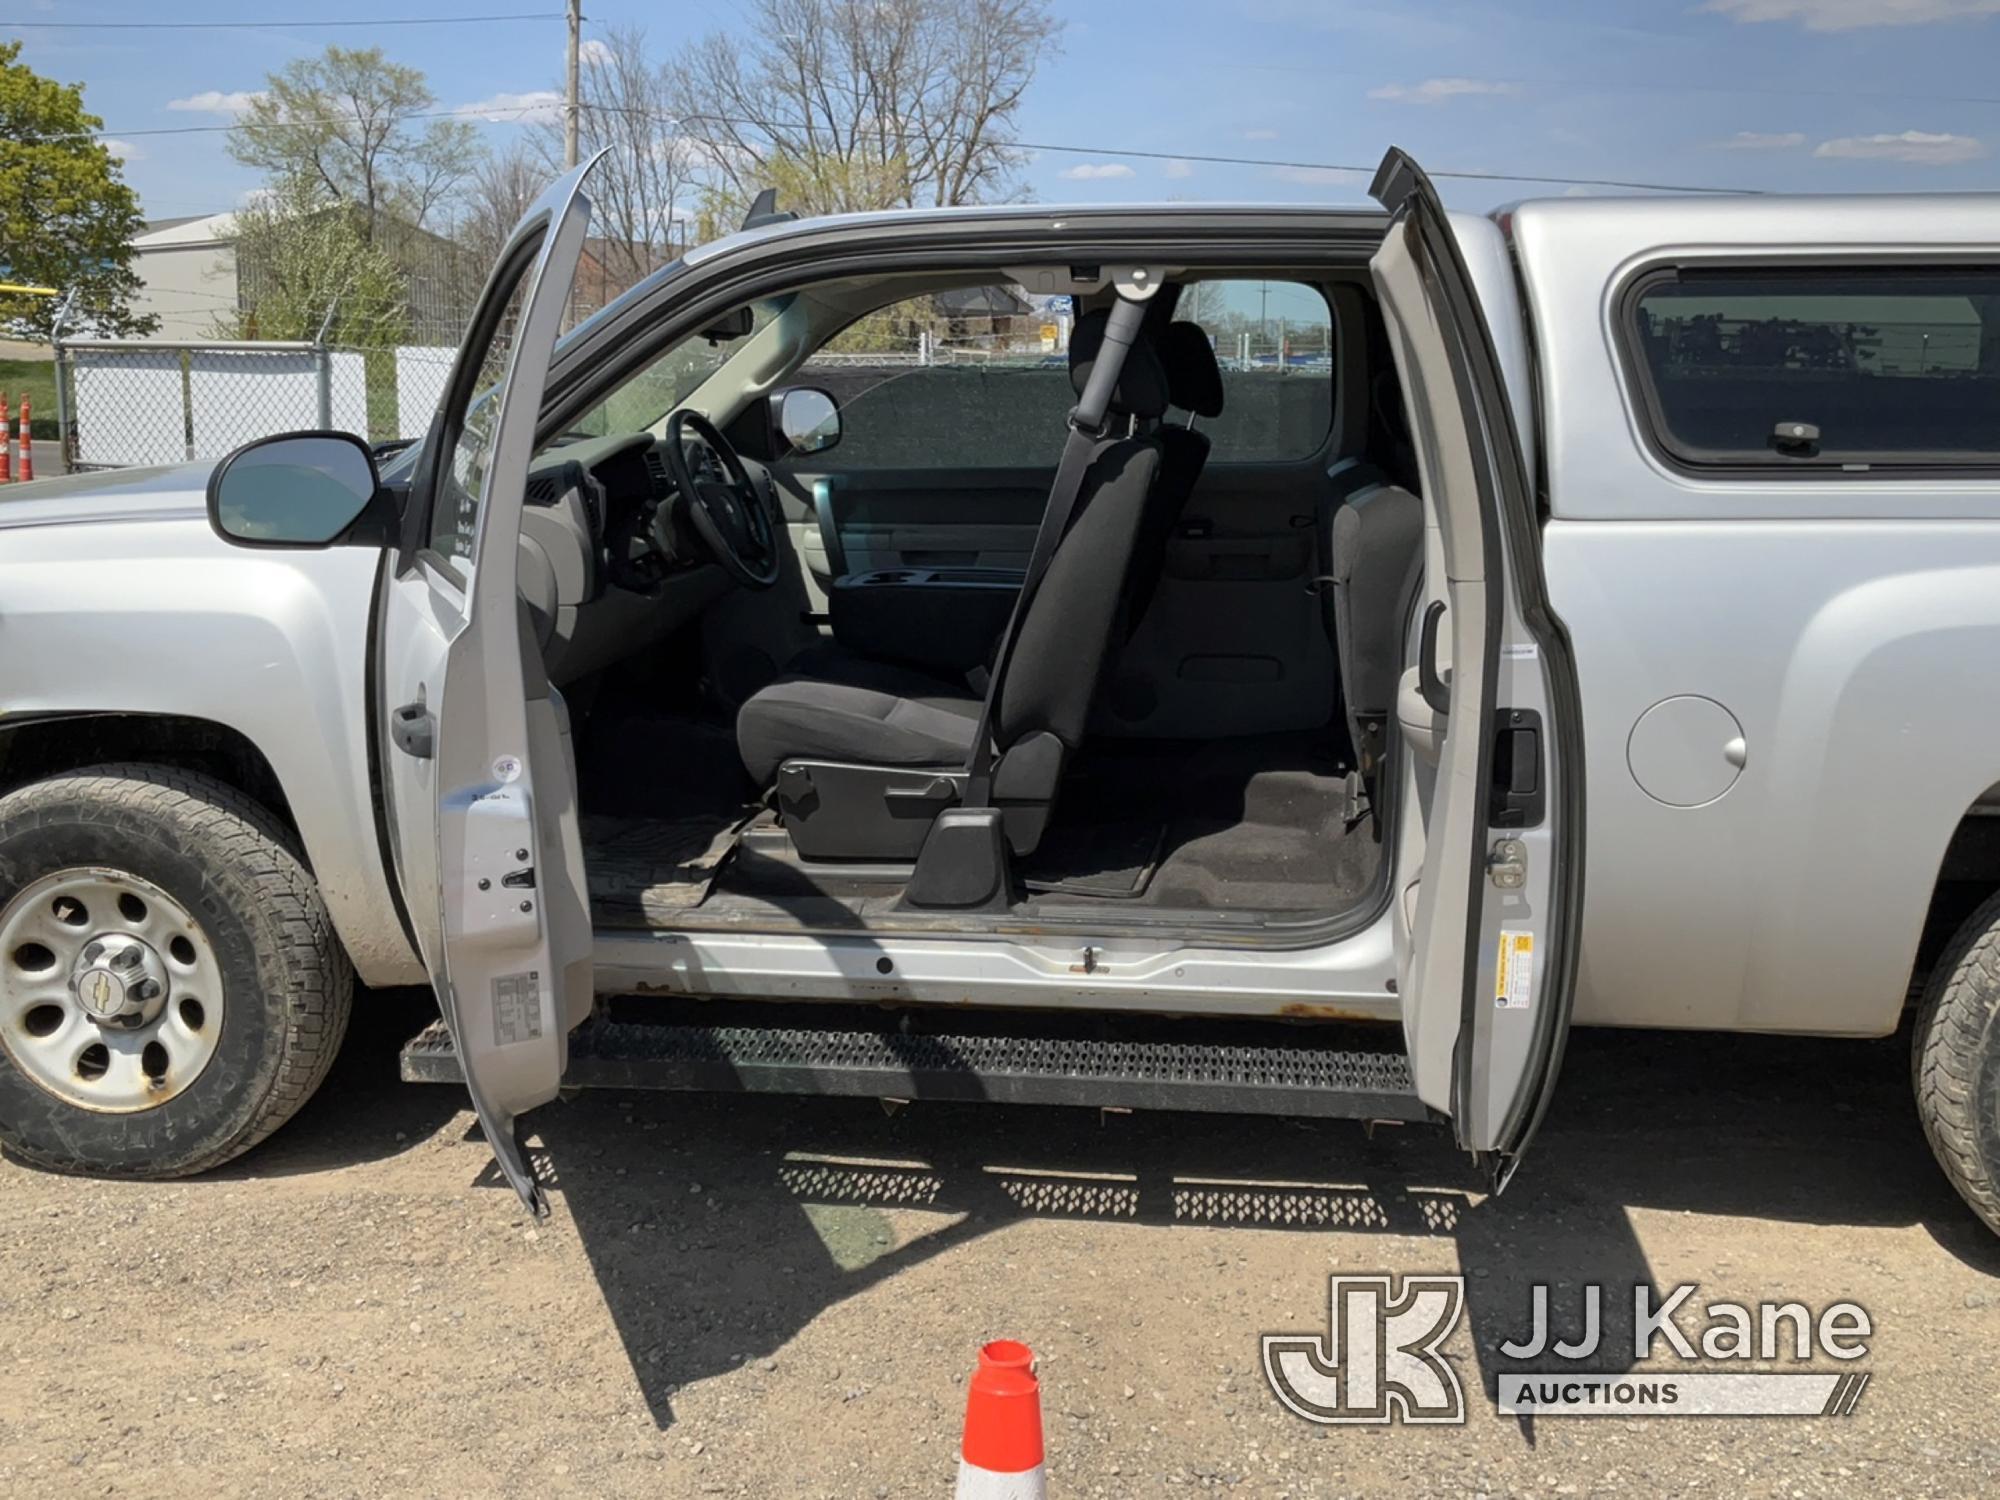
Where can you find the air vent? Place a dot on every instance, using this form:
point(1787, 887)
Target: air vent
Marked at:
point(543, 489)
point(656, 465)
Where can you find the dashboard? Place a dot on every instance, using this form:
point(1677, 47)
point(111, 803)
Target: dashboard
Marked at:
point(607, 565)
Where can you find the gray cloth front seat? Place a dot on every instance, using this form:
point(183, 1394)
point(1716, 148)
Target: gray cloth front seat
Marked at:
point(1194, 385)
point(829, 742)
point(850, 707)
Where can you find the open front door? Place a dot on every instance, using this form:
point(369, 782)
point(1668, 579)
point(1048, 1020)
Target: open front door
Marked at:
point(481, 781)
point(1489, 713)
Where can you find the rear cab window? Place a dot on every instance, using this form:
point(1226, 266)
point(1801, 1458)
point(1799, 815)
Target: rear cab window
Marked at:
point(1809, 369)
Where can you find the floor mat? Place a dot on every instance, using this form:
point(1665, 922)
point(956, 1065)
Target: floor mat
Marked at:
point(642, 870)
point(1113, 861)
point(1258, 823)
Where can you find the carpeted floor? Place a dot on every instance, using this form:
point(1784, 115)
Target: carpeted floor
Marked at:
point(1255, 824)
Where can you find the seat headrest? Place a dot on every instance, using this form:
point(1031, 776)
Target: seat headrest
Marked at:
point(1194, 379)
point(1142, 381)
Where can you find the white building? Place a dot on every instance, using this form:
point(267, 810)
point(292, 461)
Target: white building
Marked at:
point(188, 268)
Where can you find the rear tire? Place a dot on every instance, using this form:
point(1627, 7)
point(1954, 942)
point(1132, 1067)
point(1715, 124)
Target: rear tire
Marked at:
point(1956, 1062)
point(235, 990)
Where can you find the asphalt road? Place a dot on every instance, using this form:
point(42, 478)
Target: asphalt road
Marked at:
point(783, 1297)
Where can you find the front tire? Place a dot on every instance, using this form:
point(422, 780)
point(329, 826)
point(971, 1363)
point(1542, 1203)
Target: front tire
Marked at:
point(1957, 1062)
point(171, 988)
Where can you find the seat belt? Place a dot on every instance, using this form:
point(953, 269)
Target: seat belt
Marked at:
point(1087, 431)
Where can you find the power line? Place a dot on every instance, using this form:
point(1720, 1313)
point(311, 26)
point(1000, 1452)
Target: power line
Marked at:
point(1055, 148)
point(272, 25)
point(1366, 171)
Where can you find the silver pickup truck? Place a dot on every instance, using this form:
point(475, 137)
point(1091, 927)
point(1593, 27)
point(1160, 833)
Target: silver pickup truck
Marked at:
point(1238, 658)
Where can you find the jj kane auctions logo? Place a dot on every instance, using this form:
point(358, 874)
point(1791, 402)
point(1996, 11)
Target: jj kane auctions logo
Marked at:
point(1379, 1359)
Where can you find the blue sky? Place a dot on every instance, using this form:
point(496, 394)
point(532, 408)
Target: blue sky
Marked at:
point(1798, 95)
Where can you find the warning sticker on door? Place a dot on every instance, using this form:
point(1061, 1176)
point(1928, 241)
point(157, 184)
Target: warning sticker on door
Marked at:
point(517, 1008)
point(1514, 983)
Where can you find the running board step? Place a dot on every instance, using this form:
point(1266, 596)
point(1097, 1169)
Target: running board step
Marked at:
point(1285, 1079)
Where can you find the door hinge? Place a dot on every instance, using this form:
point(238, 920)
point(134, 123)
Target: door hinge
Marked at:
point(1507, 865)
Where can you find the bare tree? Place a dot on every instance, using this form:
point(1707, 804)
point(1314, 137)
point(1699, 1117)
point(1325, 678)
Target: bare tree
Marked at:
point(859, 104)
point(501, 188)
point(643, 191)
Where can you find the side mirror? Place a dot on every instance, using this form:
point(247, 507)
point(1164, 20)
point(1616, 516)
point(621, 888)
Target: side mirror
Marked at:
point(298, 489)
point(808, 420)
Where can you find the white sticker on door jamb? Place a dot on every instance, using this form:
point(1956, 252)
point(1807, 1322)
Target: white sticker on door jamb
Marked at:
point(1514, 982)
point(517, 1008)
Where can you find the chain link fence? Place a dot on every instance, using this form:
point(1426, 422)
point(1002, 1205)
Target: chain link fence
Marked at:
point(130, 402)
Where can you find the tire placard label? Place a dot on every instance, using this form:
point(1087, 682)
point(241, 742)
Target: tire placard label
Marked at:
point(1514, 981)
point(517, 1008)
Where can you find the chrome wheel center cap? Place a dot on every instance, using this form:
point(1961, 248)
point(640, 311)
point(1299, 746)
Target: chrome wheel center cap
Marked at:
point(119, 981)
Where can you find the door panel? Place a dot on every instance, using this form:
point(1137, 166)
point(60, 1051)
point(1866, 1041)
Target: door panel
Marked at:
point(482, 781)
point(1488, 977)
point(846, 521)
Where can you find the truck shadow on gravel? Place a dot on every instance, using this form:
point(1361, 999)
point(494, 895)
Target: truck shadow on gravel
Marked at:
point(718, 1227)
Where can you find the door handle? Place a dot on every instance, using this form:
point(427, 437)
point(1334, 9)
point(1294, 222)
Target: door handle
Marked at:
point(829, 527)
point(413, 730)
point(1433, 685)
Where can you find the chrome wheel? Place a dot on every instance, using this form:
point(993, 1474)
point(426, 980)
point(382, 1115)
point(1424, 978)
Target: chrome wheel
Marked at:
point(110, 993)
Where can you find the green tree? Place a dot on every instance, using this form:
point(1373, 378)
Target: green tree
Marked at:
point(351, 123)
point(67, 219)
point(300, 255)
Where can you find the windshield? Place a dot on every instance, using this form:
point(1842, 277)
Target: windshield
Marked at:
point(645, 400)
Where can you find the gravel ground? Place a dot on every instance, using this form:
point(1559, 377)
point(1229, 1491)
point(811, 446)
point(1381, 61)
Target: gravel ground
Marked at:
point(782, 1297)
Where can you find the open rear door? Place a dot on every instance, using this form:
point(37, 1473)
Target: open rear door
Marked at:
point(482, 783)
point(1491, 962)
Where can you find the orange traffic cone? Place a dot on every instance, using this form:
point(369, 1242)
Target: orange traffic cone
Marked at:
point(27, 446)
point(1001, 1455)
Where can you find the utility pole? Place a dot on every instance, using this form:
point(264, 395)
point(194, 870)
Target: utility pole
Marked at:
point(569, 101)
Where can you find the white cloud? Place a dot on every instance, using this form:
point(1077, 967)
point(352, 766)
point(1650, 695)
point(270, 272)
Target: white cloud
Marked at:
point(1847, 15)
point(1260, 135)
point(1094, 171)
point(1919, 147)
point(594, 52)
point(216, 102)
point(1760, 140)
point(1178, 169)
point(535, 107)
point(123, 150)
point(1437, 90)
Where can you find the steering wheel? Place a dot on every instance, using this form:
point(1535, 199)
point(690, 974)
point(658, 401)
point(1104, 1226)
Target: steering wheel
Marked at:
point(727, 512)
